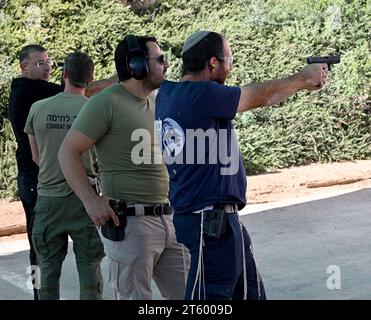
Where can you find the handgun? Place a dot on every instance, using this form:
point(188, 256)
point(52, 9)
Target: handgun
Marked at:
point(110, 230)
point(326, 59)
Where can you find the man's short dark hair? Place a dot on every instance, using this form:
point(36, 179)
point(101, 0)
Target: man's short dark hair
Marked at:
point(80, 69)
point(27, 50)
point(122, 53)
point(195, 59)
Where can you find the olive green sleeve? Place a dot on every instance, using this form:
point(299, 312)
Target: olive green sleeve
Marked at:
point(95, 118)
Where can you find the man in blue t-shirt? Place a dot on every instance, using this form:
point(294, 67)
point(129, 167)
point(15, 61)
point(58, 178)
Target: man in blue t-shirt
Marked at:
point(207, 177)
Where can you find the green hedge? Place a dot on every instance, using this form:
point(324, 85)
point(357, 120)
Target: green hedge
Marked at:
point(268, 38)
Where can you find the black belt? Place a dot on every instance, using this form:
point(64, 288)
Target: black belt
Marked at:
point(121, 208)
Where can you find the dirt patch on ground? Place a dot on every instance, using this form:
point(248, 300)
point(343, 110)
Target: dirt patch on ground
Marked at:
point(12, 218)
point(275, 186)
point(307, 180)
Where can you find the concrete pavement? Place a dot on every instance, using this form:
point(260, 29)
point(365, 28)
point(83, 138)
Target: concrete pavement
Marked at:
point(318, 249)
point(306, 249)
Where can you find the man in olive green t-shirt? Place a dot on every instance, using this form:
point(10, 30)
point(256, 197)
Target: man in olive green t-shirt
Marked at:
point(119, 122)
point(58, 212)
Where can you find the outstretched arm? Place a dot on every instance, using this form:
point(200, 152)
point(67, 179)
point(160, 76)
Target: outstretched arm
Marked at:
point(311, 77)
point(99, 85)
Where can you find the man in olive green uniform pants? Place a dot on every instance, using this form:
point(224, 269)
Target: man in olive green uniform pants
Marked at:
point(119, 121)
point(58, 212)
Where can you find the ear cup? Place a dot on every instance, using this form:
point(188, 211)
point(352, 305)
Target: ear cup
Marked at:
point(136, 63)
point(138, 67)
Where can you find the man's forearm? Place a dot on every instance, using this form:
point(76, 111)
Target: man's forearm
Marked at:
point(75, 174)
point(99, 85)
point(36, 160)
point(271, 92)
point(34, 148)
point(255, 95)
point(276, 91)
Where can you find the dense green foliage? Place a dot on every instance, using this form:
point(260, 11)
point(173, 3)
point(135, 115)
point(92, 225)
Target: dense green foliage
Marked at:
point(269, 39)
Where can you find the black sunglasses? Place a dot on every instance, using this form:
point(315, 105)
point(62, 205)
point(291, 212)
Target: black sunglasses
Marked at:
point(160, 59)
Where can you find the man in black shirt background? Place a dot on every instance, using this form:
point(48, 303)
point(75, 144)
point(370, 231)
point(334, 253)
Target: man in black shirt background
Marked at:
point(30, 87)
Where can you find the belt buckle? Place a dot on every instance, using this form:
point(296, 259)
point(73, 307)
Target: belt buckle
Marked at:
point(155, 213)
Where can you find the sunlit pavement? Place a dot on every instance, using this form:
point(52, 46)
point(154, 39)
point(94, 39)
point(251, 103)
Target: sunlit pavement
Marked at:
point(313, 248)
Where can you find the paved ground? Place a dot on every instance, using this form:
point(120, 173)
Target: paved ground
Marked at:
point(301, 249)
point(296, 182)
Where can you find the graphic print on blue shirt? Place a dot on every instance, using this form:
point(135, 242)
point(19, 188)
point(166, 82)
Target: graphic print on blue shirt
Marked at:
point(200, 149)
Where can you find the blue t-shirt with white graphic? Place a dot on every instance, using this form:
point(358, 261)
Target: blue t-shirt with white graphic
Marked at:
point(200, 149)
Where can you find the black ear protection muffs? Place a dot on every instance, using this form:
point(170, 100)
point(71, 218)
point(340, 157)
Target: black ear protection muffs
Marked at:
point(136, 63)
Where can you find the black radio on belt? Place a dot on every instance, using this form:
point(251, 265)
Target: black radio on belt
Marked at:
point(214, 224)
point(110, 230)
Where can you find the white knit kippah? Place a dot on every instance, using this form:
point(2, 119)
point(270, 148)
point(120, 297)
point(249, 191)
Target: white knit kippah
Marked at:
point(193, 39)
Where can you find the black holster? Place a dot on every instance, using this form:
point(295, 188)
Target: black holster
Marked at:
point(110, 230)
point(215, 222)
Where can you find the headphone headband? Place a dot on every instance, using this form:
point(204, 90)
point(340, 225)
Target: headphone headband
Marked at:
point(133, 45)
point(136, 63)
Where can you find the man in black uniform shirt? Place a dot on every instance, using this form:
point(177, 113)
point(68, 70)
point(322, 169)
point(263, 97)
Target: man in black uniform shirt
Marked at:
point(30, 87)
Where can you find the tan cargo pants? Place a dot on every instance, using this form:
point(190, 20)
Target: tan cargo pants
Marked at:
point(149, 250)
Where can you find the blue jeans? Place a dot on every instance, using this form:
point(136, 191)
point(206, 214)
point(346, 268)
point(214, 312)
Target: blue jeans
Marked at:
point(223, 260)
